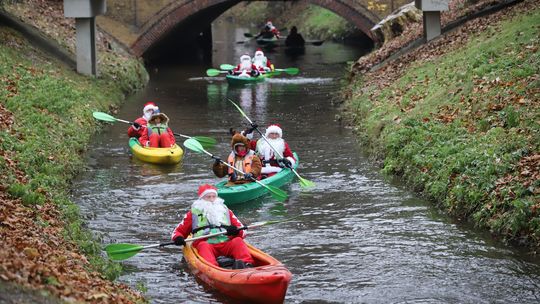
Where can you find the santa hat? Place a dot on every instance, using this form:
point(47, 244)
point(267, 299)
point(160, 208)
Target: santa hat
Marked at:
point(259, 51)
point(274, 128)
point(150, 106)
point(205, 189)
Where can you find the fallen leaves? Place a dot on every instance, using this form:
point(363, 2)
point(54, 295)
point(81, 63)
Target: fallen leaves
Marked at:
point(40, 258)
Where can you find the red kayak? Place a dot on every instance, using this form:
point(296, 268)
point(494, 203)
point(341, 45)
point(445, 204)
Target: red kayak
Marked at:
point(267, 282)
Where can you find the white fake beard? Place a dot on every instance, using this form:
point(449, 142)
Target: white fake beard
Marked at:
point(147, 116)
point(267, 151)
point(259, 62)
point(213, 211)
point(245, 65)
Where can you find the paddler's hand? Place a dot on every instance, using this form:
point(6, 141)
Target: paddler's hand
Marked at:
point(179, 241)
point(136, 126)
point(232, 230)
point(287, 163)
point(217, 161)
point(248, 176)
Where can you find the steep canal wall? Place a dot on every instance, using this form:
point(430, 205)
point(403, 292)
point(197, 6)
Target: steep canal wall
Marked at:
point(457, 118)
point(46, 125)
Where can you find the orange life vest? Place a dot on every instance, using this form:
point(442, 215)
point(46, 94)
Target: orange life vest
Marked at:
point(248, 159)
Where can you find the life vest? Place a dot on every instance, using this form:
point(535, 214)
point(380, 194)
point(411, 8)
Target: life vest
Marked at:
point(246, 166)
point(155, 129)
point(274, 160)
point(200, 226)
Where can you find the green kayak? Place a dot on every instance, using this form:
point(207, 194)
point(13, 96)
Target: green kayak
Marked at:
point(236, 80)
point(242, 193)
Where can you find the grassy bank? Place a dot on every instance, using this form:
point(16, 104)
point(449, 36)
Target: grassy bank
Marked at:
point(461, 122)
point(47, 125)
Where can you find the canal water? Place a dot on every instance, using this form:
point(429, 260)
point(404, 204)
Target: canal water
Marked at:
point(363, 238)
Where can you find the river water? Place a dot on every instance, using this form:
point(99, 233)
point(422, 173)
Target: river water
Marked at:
point(363, 237)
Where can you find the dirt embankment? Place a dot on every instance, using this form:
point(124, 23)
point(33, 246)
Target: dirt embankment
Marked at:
point(45, 126)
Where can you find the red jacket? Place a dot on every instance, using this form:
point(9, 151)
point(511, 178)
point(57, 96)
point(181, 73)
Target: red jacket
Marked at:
point(144, 137)
point(138, 133)
point(184, 228)
point(268, 65)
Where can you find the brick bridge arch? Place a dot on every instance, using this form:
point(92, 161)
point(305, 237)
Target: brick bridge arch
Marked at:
point(177, 12)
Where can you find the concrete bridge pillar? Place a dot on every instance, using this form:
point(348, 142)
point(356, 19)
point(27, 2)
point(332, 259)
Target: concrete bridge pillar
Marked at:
point(85, 12)
point(431, 10)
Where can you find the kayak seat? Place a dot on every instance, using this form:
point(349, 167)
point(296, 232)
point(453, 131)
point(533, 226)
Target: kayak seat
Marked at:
point(225, 261)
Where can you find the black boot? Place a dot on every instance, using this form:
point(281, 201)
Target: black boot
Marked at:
point(238, 264)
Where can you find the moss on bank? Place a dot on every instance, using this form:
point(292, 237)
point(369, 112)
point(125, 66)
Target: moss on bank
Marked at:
point(464, 128)
point(50, 126)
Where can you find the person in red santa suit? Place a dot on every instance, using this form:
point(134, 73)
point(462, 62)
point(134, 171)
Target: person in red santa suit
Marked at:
point(245, 68)
point(209, 215)
point(269, 31)
point(262, 63)
point(139, 125)
point(271, 162)
point(157, 133)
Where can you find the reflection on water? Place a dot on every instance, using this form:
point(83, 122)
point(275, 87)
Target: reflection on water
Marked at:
point(361, 238)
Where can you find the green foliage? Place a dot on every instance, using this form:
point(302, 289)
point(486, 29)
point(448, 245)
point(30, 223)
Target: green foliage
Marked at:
point(455, 126)
point(321, 23)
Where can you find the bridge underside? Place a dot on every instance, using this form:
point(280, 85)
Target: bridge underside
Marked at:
point(188, 40)
point(184, 30)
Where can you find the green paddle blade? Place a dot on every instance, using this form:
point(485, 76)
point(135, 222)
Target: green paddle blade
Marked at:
point(119, 252)
point(238, 107)
point(212, 72)
point(193, 145)
point(206, 142)
point(277, 193)
point(103, 116)
point(290, 71)
point(226, 67)
point(306, 183)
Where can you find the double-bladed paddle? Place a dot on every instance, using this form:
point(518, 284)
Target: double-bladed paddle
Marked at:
point(214, 72)
point(303, 182)
point(207, 142)
point(122, 251)
point(195, 146)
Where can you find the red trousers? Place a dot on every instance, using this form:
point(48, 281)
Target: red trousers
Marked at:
point(235, 248)
point(157, 140)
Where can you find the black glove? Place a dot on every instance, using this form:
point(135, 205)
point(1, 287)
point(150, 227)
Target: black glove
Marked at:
point(248, 176)
point(232, 230)
point(233, 176)
point(230, 72)
point(137, 125)
point(217, 160)
point(287, 163)
point(254, 73)
point(179, 241)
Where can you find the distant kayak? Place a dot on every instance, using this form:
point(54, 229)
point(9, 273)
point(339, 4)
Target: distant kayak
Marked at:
point(162, 156)
point(267, 282)
point(242, 193)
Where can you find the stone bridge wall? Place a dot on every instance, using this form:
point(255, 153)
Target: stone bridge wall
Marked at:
point(148, 21)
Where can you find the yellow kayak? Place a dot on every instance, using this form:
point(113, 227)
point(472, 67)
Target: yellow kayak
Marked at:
point(161, 156)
